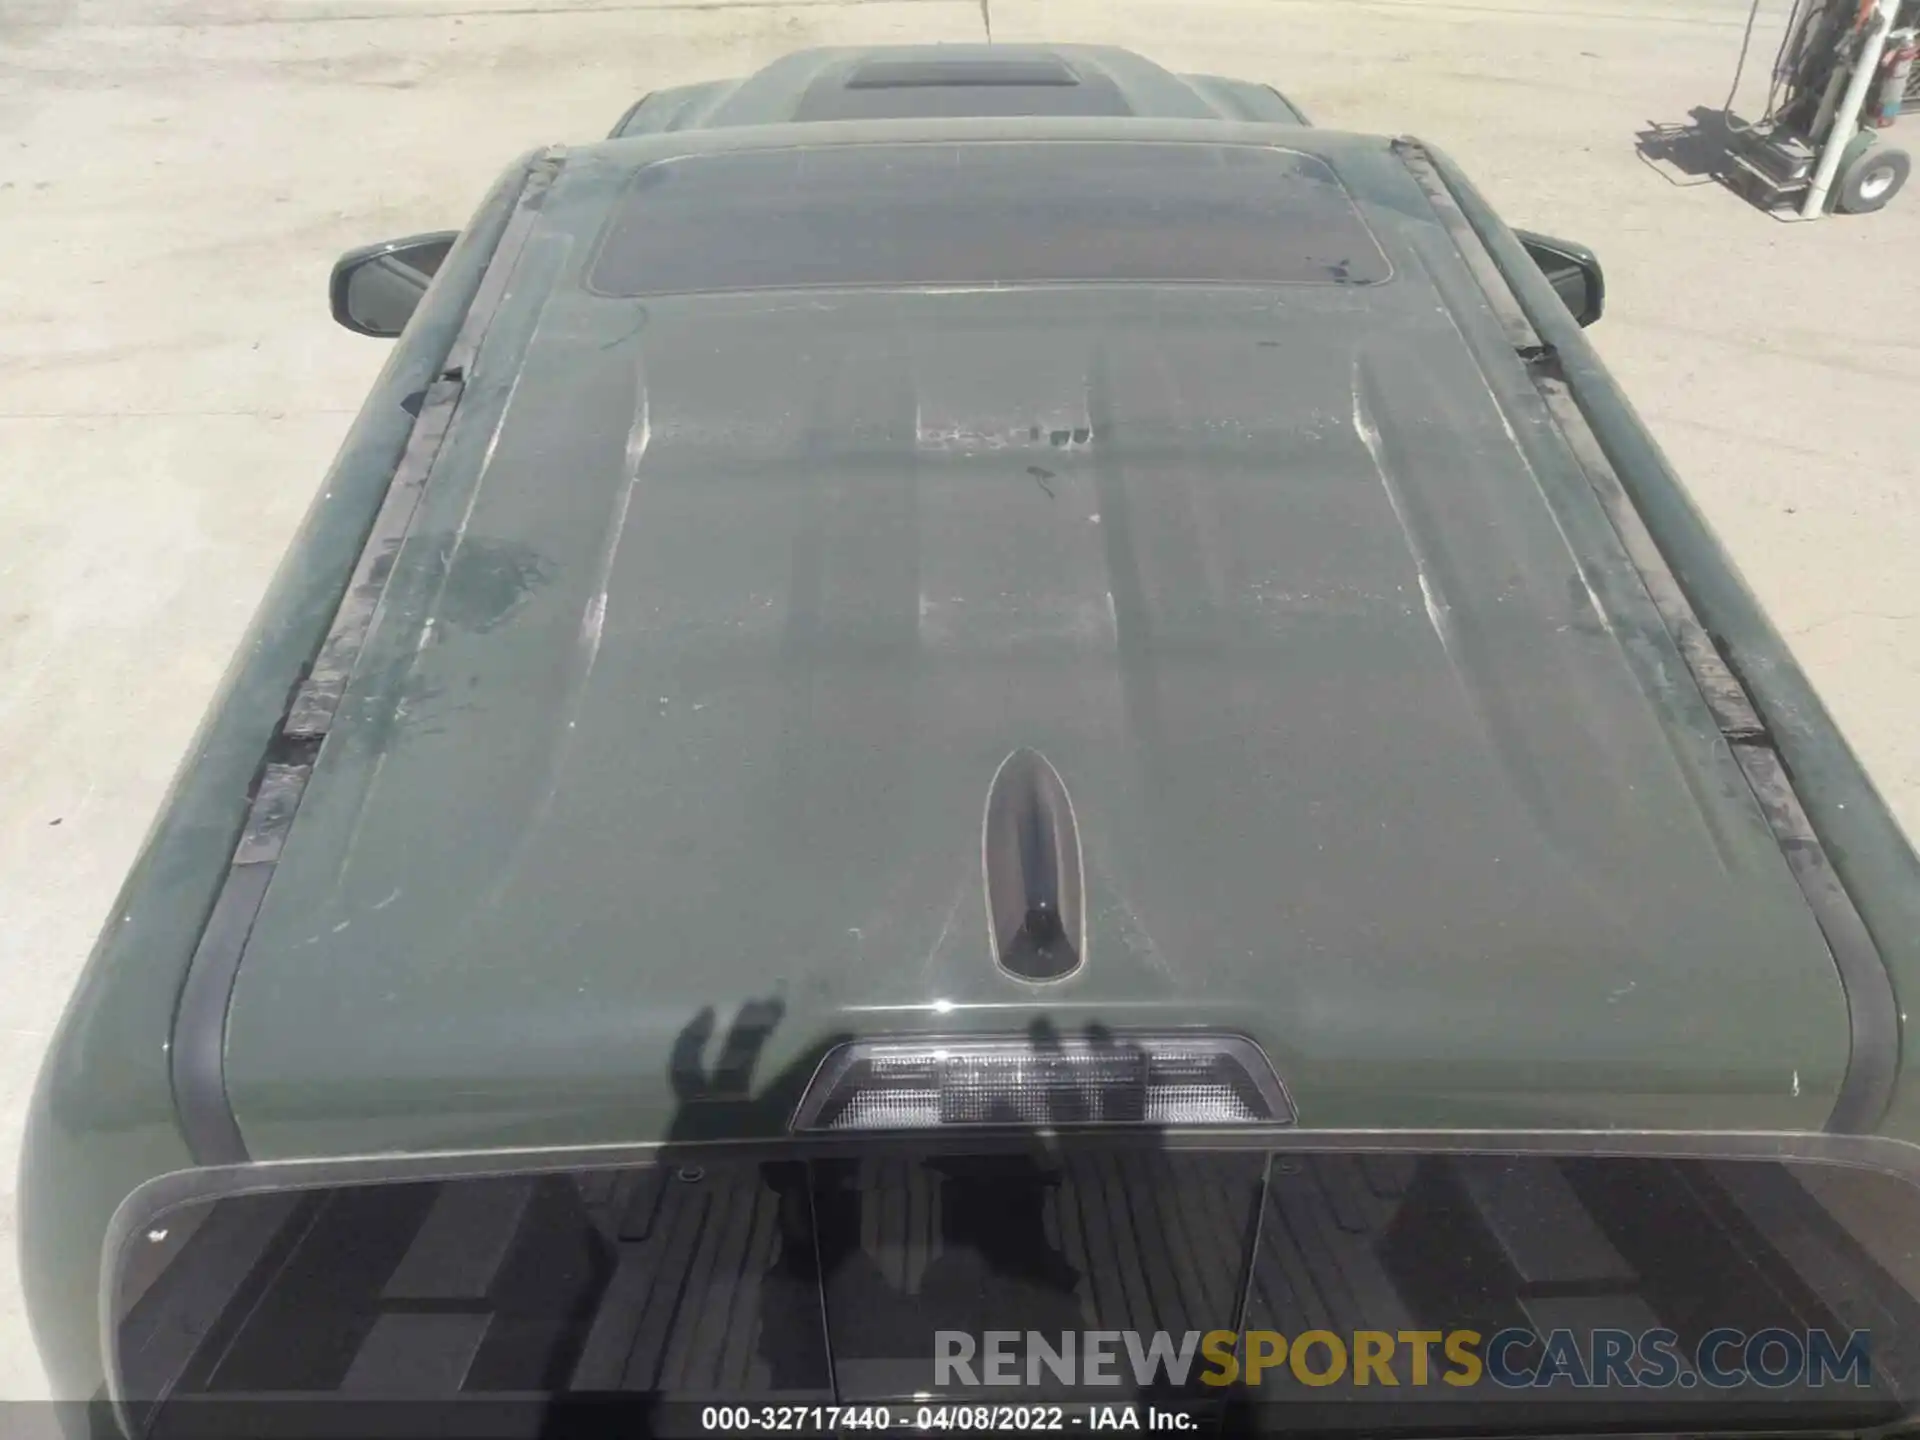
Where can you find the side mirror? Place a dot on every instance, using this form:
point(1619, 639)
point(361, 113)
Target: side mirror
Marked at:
point(1572, 270)
point(375, 289)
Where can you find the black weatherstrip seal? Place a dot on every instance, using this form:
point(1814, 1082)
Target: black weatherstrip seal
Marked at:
point(198, 1058)
point(1866, 1090)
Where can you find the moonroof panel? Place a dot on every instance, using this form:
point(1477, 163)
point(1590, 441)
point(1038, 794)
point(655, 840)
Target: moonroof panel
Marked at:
point(994, 213)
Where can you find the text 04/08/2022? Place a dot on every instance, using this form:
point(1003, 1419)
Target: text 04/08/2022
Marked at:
point(938, 1417)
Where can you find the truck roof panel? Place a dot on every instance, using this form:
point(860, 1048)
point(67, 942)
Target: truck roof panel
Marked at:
point(721, 612)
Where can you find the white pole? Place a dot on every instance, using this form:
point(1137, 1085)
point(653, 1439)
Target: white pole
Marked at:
point(1846, 120)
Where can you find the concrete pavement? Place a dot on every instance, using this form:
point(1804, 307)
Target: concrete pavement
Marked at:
point(176, 177)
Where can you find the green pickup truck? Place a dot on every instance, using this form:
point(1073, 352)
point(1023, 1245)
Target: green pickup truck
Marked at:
point(942, 629)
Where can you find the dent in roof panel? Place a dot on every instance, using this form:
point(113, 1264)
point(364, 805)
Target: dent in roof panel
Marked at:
point(986, 214)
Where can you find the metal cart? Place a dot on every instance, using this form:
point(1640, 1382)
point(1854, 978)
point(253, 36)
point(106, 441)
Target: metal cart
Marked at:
point(1844, 76)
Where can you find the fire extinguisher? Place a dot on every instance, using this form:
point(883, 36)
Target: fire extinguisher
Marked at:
point(1896, 64)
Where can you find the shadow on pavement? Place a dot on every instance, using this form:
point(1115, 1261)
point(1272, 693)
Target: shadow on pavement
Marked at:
point(1696, 151)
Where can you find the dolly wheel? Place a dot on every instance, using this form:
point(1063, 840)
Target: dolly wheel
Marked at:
point(1870, 179)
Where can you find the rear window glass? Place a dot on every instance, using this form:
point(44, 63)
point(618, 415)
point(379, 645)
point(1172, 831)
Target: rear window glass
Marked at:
point(1012, 213)
point(1497, 1294)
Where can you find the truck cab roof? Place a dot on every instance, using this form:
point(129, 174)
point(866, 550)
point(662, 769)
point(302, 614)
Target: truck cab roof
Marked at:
point(1198, 465)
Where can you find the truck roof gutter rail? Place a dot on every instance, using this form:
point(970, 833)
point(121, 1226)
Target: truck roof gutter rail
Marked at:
point(434, 357)
point(1856, 867)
